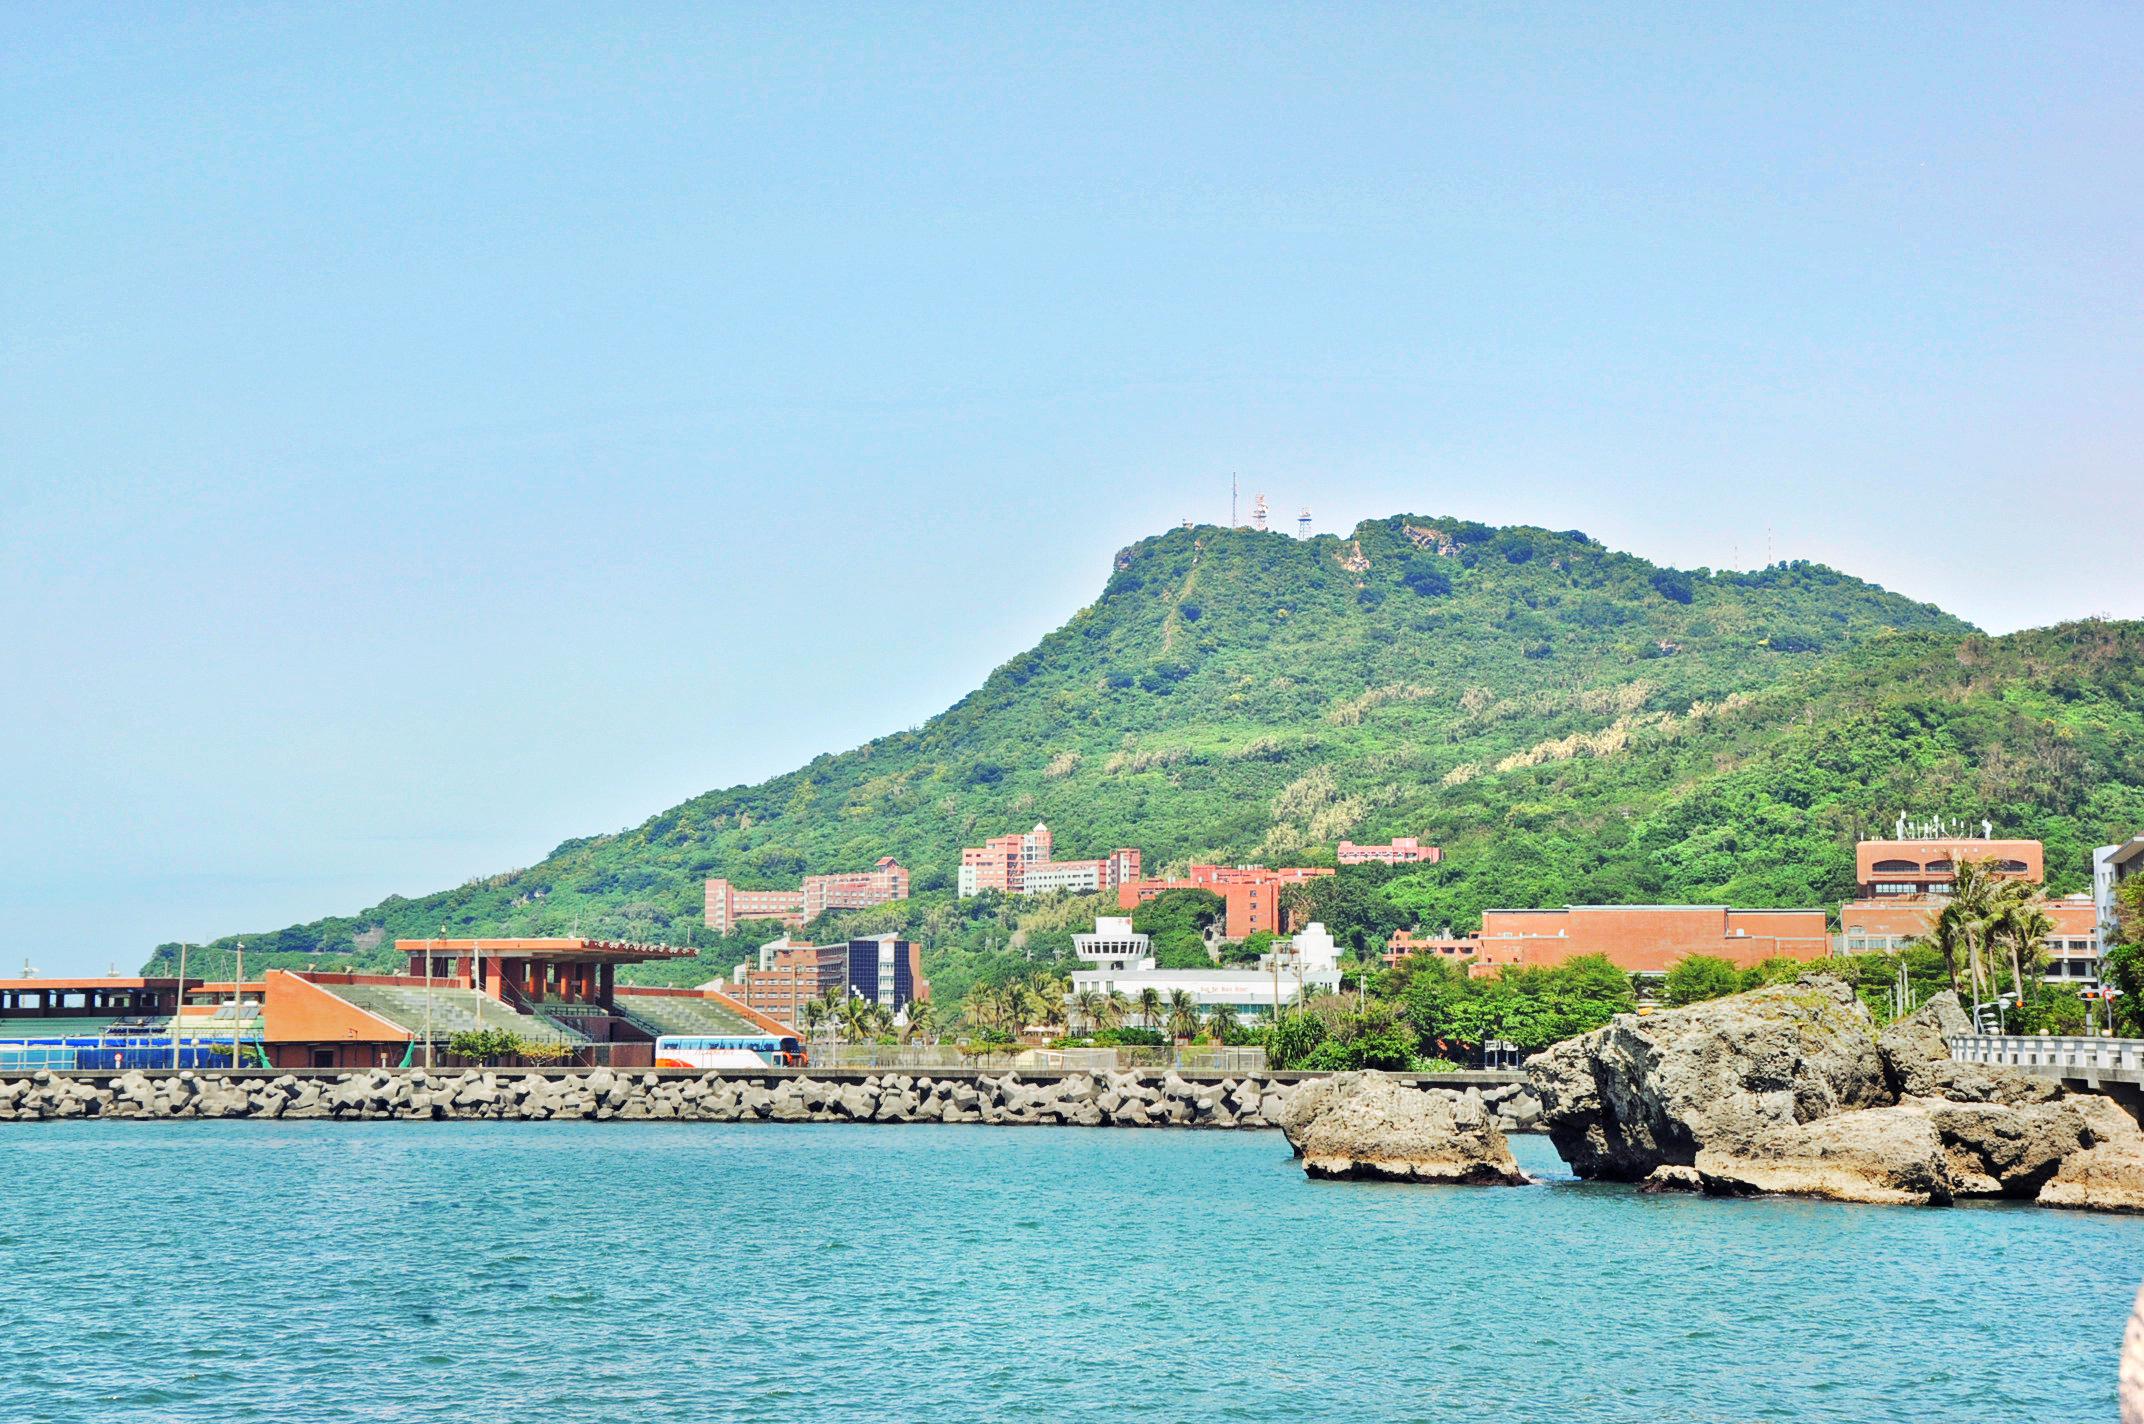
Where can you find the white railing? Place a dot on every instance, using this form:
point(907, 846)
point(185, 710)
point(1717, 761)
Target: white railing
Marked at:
point(2082, 1055)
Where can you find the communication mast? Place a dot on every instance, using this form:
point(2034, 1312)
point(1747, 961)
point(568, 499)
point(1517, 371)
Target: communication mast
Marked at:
point(1302, 523)
point(1258, 512)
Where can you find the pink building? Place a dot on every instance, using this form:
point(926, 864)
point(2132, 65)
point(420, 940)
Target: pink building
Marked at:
point(1023, 865)
point(727, 905)
point(1402, 850)
point(885, 881)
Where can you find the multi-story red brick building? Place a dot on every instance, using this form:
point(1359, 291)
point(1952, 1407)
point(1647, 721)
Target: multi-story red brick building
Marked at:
point(1401, 850)
point(886, 970)
point(1638, 939)
point(1910, 867)
point(1904, 882)
point(1252, 893)
point(727, 906)
point(1406, 944)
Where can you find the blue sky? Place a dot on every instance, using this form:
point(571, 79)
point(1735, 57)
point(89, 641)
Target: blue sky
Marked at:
point(430, 432)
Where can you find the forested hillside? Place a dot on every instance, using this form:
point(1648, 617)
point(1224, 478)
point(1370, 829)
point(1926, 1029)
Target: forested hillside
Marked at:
point(1570, 722)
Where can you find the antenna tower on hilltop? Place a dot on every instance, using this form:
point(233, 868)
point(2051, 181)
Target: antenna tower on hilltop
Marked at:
point(1231, 499)
point(1302, 523)
point(1258, 512)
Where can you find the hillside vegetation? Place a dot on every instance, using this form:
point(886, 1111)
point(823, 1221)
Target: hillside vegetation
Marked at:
point(1571, 723)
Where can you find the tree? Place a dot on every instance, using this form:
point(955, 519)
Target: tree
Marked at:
point(922, 1019)
point(1177, 922)
point(1700, 976)
point(1291, 1041)
point(1149, 1003)
point(1946, 935)
point(484, 1045)
point(1183, 1014)
point(2122, 967)
point(1087, 1005)
point(2020, 921)
point(1973, 902)
point(1114, 1007)
point(856, 1017)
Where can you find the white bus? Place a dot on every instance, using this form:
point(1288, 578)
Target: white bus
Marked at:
point(727, 1050)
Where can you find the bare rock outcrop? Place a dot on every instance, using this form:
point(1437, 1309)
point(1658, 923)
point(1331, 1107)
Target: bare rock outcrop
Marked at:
point(1367, 1125)
point(1647, 1092)
point(1917, 1061)
point(1790, 1090)
point(1887, 1156)
point(2108, 1175)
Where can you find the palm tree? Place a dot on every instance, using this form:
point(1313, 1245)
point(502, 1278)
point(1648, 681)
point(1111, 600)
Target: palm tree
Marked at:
point(1025, 1004)
point(1114, 1007)
point(984, 1008)
point(830, 1012)
point(856, 1017)
point(1150, 1003)
point(814, 1015)
point(1946, 935)
point(1087, 1008)
point(1183, 1014)
point(2022, 923)
point(922, 1018)
point(1973, 903)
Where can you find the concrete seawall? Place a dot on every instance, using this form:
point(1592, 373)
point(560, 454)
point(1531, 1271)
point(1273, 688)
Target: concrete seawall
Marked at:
point(1129, 1099)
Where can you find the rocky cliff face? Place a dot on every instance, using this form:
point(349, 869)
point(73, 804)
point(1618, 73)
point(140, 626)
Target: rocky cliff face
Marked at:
point(1789, 1089)
point(1649, 1091)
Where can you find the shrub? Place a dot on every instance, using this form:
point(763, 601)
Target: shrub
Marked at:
point(1699, 977)
point(485, 1045)
point(1673, 585)
point(1427, 582)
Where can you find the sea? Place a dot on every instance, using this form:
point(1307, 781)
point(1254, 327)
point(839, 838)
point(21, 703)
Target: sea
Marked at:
point(546, 1272)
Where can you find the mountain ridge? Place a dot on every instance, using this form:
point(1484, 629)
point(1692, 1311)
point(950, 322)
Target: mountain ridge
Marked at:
point(1235, 694)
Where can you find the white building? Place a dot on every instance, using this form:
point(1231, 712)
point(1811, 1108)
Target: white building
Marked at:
point(2111, 865)
point(1123, 962)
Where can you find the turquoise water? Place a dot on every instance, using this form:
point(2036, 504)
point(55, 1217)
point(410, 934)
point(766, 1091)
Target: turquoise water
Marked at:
point(657, 1272)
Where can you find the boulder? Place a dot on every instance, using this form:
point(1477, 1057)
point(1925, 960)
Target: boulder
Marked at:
point(1996, 1150)
point(1367, 1125)
point(2109, 1177)
point(1917, 1061)
point(1889, 1156)
point(1726, 1074)
point(2108, 1174)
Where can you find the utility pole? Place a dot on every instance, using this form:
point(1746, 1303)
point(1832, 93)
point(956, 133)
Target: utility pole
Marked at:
point(428, 952)
point(178, 1008)
point(238, 1002)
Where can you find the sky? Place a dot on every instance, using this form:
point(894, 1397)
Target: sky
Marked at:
point(431, 432)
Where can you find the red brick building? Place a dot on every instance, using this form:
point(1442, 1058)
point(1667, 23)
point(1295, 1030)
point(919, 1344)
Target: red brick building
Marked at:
point(885, 970)
point(1251, 892)
point(1637, 939)
point(1406, 944)
point(1926, 867)
point(727, 906)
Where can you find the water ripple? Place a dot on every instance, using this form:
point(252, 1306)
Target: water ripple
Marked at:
point(679, 1272)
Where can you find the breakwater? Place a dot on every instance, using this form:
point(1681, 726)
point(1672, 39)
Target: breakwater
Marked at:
point(1069, 1099)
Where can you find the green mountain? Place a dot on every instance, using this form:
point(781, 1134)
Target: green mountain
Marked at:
point(1571, 723)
